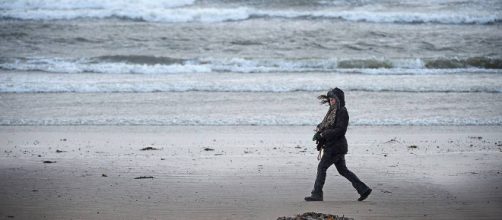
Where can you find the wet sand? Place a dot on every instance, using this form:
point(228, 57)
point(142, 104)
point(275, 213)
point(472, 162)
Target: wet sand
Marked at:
point(245, 172)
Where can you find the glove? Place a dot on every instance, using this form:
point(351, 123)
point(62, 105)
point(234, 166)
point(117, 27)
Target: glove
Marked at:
point(317, 136)
point(320, 144)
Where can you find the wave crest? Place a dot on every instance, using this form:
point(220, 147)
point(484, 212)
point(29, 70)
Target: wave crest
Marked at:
point(90, 4)
point(138, 59)
point(140, 64)
point(173, 13)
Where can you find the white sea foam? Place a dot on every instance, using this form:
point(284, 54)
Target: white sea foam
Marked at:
point(412, 17)
point(162, 65)
point(432, 121)
point(90, 4)
point(36, 82)
point(57, 65)
point(243, 121)
point(171, 12)
point(162, 74)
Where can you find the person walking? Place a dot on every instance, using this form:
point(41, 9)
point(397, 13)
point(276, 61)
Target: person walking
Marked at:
point(330, 138)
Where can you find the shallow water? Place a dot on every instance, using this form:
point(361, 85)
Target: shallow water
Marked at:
point(246, 108)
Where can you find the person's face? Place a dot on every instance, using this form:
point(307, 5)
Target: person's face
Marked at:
point(332, 101)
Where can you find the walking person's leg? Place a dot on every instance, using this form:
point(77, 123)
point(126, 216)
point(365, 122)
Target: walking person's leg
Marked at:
point(361, 188)
point(326, 161)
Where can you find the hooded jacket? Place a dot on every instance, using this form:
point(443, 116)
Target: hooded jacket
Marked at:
point(335, 135)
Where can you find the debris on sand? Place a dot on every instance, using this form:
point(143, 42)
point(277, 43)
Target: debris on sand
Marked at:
point(208, 149)
point(60, 151)
point(475, 137)
point(413, 147)
point(314, 216)
point(104, 175)
point(49, 161)
point(393, 140)
point(143, 177)
point(149, 148)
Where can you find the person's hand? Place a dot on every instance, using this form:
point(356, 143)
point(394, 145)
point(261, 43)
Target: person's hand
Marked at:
point(317, 136)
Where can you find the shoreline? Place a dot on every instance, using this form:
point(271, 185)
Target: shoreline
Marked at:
point(247, 108)
point(245, 172)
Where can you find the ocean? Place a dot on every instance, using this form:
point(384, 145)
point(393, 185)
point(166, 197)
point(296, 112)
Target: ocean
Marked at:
point(240, 63)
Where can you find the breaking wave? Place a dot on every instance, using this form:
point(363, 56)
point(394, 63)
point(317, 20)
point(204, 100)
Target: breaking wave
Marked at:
point(90, 4)
point(105, 64)
point(123, 73)
point(181, 11)
point(136, 64)
point(37, 82)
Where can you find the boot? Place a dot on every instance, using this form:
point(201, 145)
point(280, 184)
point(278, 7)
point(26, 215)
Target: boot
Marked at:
point(364, 195)
point(314, 197)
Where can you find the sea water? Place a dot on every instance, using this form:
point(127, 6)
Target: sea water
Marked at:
point(231, 62)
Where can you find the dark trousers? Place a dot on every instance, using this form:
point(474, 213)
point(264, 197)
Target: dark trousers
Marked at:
point(327, 160)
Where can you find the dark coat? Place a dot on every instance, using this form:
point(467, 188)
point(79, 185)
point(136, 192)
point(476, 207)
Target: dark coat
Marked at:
point(334, 136)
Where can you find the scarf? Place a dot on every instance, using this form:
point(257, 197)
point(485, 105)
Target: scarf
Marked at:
point(329, 118)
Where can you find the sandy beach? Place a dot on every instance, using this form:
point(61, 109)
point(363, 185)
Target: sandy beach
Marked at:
point(245, 172)
point(205, 109)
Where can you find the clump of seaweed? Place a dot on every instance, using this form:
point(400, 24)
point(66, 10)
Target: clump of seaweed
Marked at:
point(149, 148)
point(314, 216)
point(143, 177)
